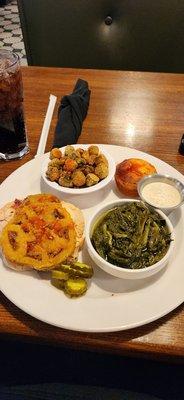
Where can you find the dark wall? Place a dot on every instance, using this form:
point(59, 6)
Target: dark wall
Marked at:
point(140, 35)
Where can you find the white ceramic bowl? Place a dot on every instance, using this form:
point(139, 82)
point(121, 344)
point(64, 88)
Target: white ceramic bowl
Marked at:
point(118, 271)
point(80, 191)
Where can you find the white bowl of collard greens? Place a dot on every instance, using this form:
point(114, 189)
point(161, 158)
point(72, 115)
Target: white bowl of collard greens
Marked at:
point(130, 240)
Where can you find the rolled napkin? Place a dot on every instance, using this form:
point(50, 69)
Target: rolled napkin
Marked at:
point(71, 114)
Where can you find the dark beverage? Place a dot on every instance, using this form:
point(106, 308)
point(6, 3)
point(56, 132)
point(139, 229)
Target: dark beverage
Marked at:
point(13, 137)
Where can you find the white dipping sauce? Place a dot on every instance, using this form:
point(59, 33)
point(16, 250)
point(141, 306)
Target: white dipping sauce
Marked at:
point(161, 194)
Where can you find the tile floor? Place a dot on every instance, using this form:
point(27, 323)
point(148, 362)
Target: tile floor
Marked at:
point(10, 30)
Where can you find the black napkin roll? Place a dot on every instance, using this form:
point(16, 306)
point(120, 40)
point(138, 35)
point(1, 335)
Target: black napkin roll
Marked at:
point(71, 114)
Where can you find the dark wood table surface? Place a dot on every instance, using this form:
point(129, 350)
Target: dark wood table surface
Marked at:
point(135, 109)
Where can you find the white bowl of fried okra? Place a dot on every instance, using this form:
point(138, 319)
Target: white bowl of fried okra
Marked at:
point(78, 169)
point(128, 239)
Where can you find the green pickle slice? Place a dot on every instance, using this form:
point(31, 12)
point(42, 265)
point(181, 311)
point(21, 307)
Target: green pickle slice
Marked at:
point(77, 269)
point(59, 284)
point(70, 278)
point(59, 275)
point(75, 287)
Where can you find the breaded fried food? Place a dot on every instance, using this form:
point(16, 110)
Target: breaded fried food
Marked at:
point(8, 211)
point(71, 168)
point(41, 198)
point(40, 233)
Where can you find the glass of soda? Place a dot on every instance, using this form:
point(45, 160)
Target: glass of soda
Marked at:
point(13, 136)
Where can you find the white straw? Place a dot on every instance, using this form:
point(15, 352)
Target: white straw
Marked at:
point(46, 125)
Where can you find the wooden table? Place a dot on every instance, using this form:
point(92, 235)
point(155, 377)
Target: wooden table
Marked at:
point(139, 110)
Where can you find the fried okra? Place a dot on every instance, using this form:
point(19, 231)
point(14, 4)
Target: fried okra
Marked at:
point(87, 169)
point(101, 159)
point(69, 151)
point(53, 174)
point(55, 162)
point(70, 165)
point(78, 178)
point(77, 167)
point(91, 179)
point(55, 153)
point(102, 170)
point(93, 150)
point(65, 179)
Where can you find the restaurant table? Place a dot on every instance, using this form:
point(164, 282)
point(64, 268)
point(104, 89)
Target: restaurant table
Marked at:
point(139, 110)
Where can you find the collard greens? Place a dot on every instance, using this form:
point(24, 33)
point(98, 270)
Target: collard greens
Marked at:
point(131, 236)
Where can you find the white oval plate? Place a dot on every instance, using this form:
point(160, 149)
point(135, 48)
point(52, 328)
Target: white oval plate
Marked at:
point(110, 304)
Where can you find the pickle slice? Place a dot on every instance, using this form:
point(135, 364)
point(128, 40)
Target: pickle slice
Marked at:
point(59, 275)
point(75, 287)
point(70, 278)
point(83, 268)
point(59, 284)
point(77, 269)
